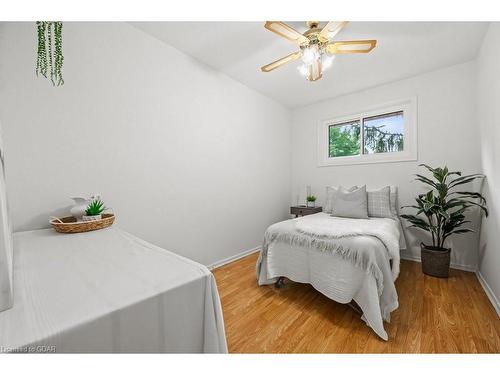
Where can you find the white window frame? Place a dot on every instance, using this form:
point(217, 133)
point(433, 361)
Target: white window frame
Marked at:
point(409, 109)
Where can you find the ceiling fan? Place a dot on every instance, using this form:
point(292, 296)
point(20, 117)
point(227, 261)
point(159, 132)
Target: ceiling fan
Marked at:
point(317, 47)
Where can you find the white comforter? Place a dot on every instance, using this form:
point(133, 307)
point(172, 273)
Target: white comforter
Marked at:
point(335, 273)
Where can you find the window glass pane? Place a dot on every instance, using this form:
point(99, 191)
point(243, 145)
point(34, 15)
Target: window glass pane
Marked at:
point(384, 133)
point(344, 139)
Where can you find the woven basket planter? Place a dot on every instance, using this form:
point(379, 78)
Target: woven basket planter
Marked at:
point(71, 225)
point(435, 261)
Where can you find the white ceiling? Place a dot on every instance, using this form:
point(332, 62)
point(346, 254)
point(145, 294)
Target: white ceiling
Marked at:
point(404, 49)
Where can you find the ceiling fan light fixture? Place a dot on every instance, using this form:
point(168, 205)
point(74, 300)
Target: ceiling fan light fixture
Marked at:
point(310, 54)
point(317, 48)
point(303, 70)
point(327, 61)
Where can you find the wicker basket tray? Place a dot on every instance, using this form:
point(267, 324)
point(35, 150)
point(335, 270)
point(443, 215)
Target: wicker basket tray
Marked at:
point(70, 225)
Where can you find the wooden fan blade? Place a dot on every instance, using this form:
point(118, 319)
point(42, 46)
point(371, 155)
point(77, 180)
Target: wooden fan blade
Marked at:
point(286, 32)
point(282, 61)
point(332, 28)
point(353, 46)
point(314, 71)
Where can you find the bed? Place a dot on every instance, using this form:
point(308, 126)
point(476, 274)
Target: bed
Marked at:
point(108, 291)
point(345, 259)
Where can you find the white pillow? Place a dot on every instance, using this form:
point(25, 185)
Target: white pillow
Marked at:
point(353, 204)
point(379, 202)
point(393, 195)
point(330, 192)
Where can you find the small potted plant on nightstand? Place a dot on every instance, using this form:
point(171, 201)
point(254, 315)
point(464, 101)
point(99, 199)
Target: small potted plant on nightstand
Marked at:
point(441, 212)
point(311, 199)
point(94, 210)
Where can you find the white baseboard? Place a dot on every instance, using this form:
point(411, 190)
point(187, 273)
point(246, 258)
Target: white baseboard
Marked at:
point(456, 266)
point(491, 296)
point(232, 258)
point(489, 293)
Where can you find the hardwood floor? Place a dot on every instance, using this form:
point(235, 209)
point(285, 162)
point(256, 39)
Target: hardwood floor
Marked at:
point(435, 316)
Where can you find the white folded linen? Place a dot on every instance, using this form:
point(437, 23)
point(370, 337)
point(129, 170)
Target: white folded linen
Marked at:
point(108, 291)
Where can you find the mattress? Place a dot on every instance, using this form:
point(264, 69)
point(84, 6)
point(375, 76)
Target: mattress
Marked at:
point(108, 291)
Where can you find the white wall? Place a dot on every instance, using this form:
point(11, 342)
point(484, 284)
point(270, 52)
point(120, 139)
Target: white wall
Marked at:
point(447, 134)
point(200, 164)
point(489, 121)
point(188, 158)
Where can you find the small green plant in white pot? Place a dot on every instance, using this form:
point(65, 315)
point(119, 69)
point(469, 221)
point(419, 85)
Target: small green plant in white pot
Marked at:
point(94, 210)
point(311, 201)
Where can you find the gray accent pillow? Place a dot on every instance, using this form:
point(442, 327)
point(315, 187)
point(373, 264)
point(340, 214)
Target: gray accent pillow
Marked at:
point(330, 193)
point(379, 202)
point(351, 204)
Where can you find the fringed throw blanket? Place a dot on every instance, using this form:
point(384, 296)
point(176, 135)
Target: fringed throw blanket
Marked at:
point(329, 227)
point(322, 231)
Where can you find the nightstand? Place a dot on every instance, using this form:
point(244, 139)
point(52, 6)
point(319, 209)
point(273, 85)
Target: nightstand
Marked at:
point(303, 211)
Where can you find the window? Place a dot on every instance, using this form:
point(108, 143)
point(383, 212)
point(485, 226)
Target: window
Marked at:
point(343, 139)
point(383, 133)
point(380, 135)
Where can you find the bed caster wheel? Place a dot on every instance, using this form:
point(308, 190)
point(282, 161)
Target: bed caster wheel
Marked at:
point(280, 282)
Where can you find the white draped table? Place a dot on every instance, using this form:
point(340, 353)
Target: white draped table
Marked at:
point(108, 291)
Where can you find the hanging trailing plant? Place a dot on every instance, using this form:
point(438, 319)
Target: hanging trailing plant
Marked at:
point(49, 53)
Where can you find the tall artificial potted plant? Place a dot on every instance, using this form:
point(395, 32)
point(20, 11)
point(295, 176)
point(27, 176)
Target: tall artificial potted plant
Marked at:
point(441, 212)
